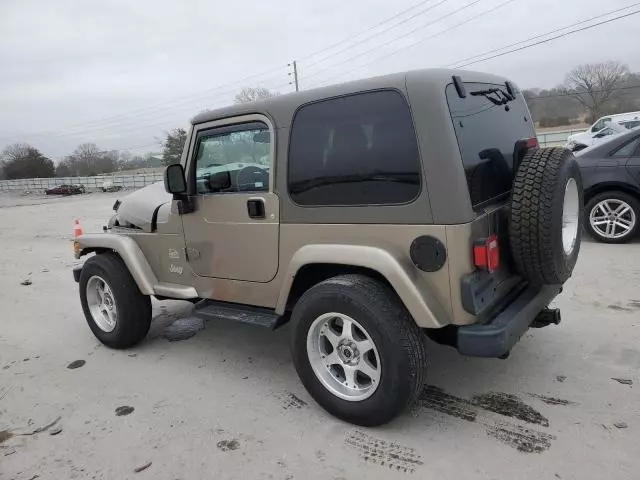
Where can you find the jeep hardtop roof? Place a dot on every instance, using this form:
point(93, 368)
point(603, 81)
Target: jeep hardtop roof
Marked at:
point(282, 107)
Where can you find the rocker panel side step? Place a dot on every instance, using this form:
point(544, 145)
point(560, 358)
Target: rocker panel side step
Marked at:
point(263, 317)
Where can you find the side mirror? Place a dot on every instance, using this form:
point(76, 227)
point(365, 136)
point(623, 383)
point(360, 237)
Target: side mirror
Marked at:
point(174, 181)
point(219, 181)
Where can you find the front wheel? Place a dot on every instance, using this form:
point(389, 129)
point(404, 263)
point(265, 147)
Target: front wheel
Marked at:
point(357, 350)
point(118, 314)
point(612, 217)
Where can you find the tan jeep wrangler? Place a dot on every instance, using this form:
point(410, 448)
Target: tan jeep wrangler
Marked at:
point(369, 214)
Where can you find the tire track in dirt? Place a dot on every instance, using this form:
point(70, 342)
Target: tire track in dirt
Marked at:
point(477, 410)
point(384, 453)
point(290, 400)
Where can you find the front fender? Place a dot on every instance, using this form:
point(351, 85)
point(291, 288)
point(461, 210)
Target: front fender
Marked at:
point(128, 250)
point(409, 285)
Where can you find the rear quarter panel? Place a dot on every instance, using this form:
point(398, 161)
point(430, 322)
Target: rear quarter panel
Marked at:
point(425, 294)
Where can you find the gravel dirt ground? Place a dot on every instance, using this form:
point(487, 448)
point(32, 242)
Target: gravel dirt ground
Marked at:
point(227, 404)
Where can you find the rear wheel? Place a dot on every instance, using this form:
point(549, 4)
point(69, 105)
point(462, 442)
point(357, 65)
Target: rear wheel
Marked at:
point(357, 350)
point(612, 217)
point(118, 314)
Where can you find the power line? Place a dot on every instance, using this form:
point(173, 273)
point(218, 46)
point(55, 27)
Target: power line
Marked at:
point(118, 121)
point(155, 107)
point(123, 120)
point(581, 22)
point(571, 32)
point(508, 46)
point(137, 147)
point(360, 42)
point(349, 59)
point(146, 110)
point(377, 59)
point(324, 49)
point(124, 124)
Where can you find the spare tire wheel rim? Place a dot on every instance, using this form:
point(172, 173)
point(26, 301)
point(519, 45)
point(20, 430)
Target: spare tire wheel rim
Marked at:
point(612, 218)
point(343, 357)
point(102, 304)
point(570, 216)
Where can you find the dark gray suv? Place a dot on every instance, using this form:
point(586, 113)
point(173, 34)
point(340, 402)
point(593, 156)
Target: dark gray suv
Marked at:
point(611, 176)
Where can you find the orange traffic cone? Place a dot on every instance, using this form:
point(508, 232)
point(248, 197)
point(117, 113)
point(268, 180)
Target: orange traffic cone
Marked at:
point(77, 229)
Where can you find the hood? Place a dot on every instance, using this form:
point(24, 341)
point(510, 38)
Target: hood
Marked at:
point(138, 208)
point(578, 137)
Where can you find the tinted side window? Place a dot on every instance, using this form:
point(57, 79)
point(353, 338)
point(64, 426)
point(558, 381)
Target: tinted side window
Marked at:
point(631, 124)
point(355, 150)
point(627, 149)
point(233, 159)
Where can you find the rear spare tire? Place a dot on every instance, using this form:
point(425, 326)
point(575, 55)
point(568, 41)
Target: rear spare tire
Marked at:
point(546, 216)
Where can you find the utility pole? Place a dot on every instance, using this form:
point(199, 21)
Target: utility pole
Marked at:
point(295, 75)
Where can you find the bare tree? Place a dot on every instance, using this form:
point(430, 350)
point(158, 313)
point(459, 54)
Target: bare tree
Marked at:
point(87, 160)
point(253, 94)
point(595, 84)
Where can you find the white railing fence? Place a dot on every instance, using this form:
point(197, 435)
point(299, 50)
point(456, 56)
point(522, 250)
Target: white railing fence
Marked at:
point(555, 138)
point(89, 183)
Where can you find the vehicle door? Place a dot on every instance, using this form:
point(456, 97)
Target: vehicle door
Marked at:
point(234, 228)
point(632, 149)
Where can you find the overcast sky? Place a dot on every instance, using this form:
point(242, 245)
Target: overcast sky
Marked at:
point(119, 73)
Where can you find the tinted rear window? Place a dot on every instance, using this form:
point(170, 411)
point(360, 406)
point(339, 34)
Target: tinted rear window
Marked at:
point(487, 134)
point(355, 150)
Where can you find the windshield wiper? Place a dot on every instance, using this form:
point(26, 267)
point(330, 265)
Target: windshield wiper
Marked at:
point(503, 97)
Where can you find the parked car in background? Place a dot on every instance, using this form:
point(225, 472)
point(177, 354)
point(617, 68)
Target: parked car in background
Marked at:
point(611, 178)
point(65, 190)
point(108, 186)
point(578, 142)
point(627, 119)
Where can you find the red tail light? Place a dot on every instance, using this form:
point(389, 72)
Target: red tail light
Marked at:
point(532, 142)
point(486, 253)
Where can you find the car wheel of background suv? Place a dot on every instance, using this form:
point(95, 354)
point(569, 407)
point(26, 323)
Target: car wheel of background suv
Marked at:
point(612, 217)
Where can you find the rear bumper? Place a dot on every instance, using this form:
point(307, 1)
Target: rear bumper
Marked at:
point(496, 338)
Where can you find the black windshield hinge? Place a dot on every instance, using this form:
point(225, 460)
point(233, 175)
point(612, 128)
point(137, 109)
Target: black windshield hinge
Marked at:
point(457, 82)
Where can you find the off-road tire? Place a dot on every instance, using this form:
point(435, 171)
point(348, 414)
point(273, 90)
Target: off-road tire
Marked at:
point(399, 341)
point(613, 195)
point(134, 308)
point(535, 227)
